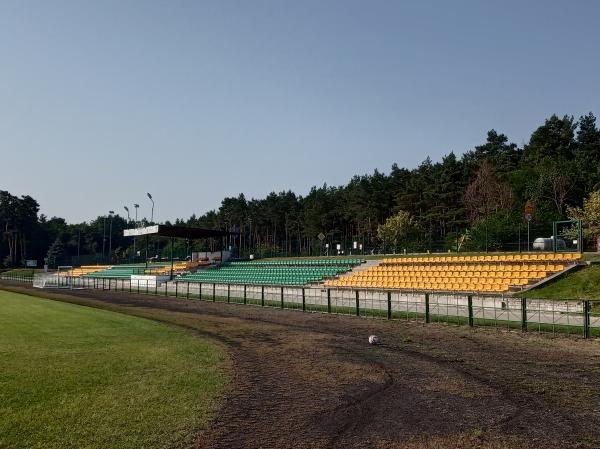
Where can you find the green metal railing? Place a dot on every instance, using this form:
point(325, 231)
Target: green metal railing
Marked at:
point(577, 317)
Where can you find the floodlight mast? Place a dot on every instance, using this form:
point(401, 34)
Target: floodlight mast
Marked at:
point(136, 225)
point(152, 214)
point(110, 212)
point(103, 237)
point(152, 222)
point(128, 222)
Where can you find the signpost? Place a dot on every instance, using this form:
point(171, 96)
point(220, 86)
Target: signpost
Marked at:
point(321, 237)
point(529, 210)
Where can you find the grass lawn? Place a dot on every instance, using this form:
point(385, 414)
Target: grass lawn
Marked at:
point(78, 377)
point(580, 284)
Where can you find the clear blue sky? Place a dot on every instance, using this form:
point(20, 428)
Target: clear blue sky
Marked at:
point(194, 101)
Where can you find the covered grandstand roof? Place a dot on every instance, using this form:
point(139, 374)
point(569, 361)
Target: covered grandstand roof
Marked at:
point(184, 232)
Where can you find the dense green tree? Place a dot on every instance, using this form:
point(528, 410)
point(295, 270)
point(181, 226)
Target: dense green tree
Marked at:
point(554, 140)
point(398, 231)
point(475, 201)
point(55, 254)
point(587, 155)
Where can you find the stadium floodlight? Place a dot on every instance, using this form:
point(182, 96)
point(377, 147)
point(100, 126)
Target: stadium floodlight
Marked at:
point(128, 217)
point(152, 215)
point(110, 212)
point(136, 224)
point(103, 236)
point(152, 221)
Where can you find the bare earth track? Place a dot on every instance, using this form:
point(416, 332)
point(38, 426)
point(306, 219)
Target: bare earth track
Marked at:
point(312, 381)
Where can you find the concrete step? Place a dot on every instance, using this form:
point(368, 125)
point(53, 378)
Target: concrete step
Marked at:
point(363, 267)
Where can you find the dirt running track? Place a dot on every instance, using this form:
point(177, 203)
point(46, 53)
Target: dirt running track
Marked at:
point(312, 381)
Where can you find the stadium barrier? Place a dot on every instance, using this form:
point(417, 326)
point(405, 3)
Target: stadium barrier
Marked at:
point(16, 277)
point(570, 316)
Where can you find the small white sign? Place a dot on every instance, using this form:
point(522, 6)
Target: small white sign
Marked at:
point(140, 231)
point(31, 263)
point(339, 246)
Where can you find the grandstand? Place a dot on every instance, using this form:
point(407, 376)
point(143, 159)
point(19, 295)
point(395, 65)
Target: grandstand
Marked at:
point(494, 274)
point(276, 272)
point(478, 274)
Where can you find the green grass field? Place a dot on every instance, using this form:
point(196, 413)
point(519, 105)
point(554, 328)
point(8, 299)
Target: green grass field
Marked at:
point(77, 377)
point(580, 284)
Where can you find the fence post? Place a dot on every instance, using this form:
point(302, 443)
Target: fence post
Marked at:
point(176, 289)
point(188, 291)
point(328, 300)
point(389, 305)
point(166, 288)
point(155, 287)
point(586, 318)
point(303, 300)
point(470, 307)
point(200, 291)
point(228, 292)
point(138, 286)
point(244, 294)
point(524, 314)
point(214, 285)
point(262, 295)
point(427, 316)
point(282, 297)
point(357, 304)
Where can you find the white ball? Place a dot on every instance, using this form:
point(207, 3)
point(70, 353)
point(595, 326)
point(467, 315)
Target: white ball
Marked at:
point(373, 340)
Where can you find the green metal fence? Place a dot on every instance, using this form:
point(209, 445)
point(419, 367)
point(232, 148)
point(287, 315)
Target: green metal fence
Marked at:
point(577, 317)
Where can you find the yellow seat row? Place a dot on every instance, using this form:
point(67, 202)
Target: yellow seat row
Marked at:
point(431, 280)
point(177, 266)
point(486, 258)
point(465, 269)
point(84, 269)
point(454, 286)
point(451, 274)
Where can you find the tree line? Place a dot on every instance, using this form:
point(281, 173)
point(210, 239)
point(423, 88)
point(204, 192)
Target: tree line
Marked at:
point(474, 202)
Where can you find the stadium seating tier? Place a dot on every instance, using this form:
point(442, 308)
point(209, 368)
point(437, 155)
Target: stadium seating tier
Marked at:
point(483, 273)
